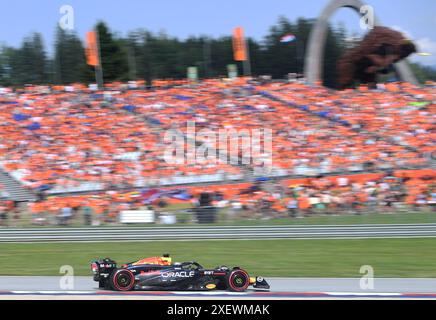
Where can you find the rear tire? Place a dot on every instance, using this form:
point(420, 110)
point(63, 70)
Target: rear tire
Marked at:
point(238, 280)
point(122, 280)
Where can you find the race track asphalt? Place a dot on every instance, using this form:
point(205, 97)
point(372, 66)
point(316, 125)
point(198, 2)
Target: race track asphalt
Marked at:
point(18, 287)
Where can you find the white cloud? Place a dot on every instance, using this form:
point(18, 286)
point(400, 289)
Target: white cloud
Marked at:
point(428, 46)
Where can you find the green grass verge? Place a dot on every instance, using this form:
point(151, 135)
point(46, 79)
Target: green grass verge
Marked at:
point(287, 258)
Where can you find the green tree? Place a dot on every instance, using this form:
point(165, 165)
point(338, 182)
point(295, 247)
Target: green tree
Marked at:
point(28, 64)
point(423, 73)
point(113, 55)
point(146, 55)
point(5, 76)
point(333, 52)
point(69, 61)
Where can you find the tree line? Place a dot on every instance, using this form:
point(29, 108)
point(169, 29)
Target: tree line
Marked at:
point(146, 55)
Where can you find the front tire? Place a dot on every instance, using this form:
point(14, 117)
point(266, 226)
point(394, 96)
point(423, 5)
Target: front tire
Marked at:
point(122, 280)
point(238, 280)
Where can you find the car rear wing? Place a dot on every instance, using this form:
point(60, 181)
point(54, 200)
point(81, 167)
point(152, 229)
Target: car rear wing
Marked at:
point(103, 265)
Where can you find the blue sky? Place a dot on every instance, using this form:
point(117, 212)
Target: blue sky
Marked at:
point(183, 18)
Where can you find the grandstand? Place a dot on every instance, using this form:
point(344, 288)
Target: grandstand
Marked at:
point(109, 144)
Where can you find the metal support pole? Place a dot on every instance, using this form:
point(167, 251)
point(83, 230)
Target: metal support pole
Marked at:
point(99, 68)
point(247, 63)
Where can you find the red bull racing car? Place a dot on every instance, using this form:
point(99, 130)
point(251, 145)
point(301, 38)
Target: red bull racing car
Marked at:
point(159, 273)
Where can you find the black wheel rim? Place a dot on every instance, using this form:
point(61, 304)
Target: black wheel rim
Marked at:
point(123, 280)
point(239, 281)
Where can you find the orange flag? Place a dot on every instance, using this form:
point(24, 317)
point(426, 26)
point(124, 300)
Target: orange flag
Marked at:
point(239, 48)
point(92, 49)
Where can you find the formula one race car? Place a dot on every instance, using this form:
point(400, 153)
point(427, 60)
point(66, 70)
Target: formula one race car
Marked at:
point(159, 273)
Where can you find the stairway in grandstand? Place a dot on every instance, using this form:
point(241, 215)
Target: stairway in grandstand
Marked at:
point(14, 189)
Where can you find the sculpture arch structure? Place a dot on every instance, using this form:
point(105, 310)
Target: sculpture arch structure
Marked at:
point(315, 56)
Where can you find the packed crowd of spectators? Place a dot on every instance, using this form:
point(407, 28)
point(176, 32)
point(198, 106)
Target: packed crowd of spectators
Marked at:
point(401, 112)
point(405, 190)
point(301, 141)
point(62, 138)
point(117, 137)
point(65, 139)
